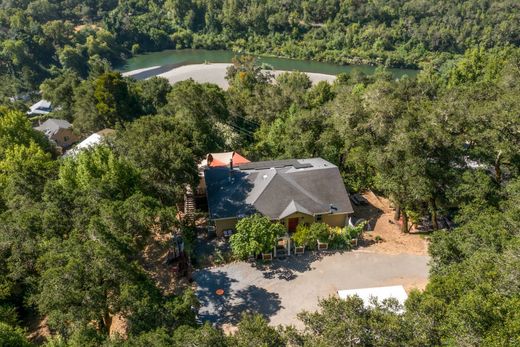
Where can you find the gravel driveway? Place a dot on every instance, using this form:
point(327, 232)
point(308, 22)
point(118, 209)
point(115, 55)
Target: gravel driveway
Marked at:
point(286, 287)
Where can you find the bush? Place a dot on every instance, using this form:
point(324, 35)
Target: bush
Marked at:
point(320, 231)
point(255, 234)
point(355, 231)
point(135, 49)
point(303, 237)
point(339, 238)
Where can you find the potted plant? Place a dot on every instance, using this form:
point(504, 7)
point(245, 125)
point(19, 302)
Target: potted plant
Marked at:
point(321, 234)
point(339, 238)
point(355, 232)
point(301, 238)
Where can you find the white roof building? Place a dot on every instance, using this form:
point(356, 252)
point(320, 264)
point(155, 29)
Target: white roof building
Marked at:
point(90, 142)
point(379, 293)
point(41, 107)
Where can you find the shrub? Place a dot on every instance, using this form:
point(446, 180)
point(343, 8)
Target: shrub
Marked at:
point(320, 231)
point(135, 49)
point(254, 235)
point(355, 231)
point(303, 236)
point(339, 238)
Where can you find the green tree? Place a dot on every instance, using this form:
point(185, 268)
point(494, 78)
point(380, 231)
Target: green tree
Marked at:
point(168, 170)
point(73, 58)
point(153, 93)
point(103, 102)
point(253, 330)
point(81, 282)
point(254, 235)
point(11, 337)
point(60, 92)
point(24, 171)
point(347, 322)
point(16, 129)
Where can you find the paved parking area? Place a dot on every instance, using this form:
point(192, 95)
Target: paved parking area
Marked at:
point(286, 287)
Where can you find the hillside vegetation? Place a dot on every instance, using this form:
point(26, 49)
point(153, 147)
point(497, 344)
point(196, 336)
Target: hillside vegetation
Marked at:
point(36, 35)
point(441, 146)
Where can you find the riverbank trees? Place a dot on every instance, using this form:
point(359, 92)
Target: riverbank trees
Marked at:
point(39, 35)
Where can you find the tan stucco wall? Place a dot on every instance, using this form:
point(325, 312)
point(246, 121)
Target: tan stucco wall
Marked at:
point(224, 224)
point(335, 220)
point(302, 218)
point(59, 137)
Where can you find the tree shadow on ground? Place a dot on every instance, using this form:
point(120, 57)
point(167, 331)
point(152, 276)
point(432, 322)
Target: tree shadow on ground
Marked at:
point(288, 268)
point(207, 247)
point(208, 282)
point(229, 307)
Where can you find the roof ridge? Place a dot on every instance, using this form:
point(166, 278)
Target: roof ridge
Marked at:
point(291, 181)
point(265, 187)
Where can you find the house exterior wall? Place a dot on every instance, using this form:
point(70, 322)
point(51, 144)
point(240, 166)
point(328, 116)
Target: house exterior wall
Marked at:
point(302, 219)
point(65, 138)
point(224, 224)
point(335, 220)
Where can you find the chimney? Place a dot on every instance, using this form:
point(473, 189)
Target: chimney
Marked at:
point(231, 170)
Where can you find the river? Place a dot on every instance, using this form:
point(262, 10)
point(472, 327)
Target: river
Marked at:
point(175, 58)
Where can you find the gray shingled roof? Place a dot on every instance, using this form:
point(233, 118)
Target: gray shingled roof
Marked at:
point(308, 186)
point(52, 125)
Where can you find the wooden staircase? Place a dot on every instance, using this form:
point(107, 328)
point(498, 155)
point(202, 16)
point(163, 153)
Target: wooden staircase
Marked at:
point(189, 205)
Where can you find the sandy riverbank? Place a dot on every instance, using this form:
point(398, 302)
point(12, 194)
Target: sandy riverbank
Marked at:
point(211, 73)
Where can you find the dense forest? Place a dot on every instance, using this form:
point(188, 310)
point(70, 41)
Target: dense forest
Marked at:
point(444, 143)
point(73, 230)
point(37, 35)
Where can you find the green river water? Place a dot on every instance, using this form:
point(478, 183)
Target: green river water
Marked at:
point(199, 56)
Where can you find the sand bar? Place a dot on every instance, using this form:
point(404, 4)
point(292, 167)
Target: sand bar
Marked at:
point(202, 73)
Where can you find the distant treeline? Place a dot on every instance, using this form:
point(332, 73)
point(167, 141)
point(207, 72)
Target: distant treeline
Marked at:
point(37, 35)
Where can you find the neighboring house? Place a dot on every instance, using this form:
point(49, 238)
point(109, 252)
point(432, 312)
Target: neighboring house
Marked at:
point(292, 191)
point(40, 108)
point(59, 131)
point(90, 142)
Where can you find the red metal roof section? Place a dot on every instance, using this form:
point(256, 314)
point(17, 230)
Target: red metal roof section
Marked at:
point(223, 159)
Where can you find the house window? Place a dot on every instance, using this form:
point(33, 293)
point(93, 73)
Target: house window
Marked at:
point(319, 218)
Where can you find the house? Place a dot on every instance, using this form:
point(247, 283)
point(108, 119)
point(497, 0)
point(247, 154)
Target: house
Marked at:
point(58, 131)
point(214, 160)
point(90, 142)
point(40, 108)
point(292, 192)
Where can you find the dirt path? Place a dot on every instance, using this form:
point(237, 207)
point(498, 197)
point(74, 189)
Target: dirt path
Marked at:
point(393, 241)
